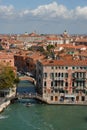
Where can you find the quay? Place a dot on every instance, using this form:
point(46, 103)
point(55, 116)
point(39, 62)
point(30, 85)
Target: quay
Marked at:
point(6, 101)
point(4, 104)
point(40, 98)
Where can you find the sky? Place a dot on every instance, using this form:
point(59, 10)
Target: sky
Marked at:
point(43, 16)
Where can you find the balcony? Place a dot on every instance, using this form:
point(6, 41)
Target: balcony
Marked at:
point(80, 79)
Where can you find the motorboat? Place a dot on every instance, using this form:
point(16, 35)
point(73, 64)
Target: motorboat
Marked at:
point(28, 104)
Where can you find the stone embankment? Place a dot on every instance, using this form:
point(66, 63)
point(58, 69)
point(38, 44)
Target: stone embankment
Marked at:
point(5, 102)
point(4, 105)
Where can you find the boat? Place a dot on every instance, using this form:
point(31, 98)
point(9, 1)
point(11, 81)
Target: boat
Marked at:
point(28, 104)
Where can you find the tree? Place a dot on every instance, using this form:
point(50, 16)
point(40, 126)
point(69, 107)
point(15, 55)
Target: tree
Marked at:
point(50, 47)
point(17, 80)
point(7, 77)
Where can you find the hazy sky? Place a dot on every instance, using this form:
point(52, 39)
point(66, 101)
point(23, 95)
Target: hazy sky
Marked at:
point(43, 16)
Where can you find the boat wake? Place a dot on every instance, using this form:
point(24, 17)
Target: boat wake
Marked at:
point(3, 117)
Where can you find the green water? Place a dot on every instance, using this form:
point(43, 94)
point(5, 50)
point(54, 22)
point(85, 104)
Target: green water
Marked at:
point(43, 117)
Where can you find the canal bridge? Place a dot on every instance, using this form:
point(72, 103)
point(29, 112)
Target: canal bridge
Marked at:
point(27, 78)
point(30, 96)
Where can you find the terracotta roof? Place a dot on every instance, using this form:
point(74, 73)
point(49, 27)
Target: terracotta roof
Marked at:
point(52, 38)
point(71, 46)
point(64, 62)
point(82, 40)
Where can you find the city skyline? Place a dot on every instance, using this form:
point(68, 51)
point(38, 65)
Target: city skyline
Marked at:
point(43, 16)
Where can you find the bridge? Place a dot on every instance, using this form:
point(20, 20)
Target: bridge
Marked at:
point(30, 96)
point(28, 78)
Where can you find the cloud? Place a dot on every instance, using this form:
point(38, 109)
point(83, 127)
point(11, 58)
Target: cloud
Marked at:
point(52, 10)
point(55, 11)
point(80, 12)
point(6, 11)
point(44, 17)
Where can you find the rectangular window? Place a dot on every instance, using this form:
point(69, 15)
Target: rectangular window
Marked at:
point(61, 74)
point(61, 83)
point(66, 75)
point(66, 67)
point(56, 67)
point(85, 67)
point(52, 67)
point(45, 75)
point(45, 83)
point(55, 83)
point(62, 67)
point(51, 83)
point(56, 98)
point(59, 67)
point(66, 84)
point(55, 74)
point(73, 68)
point(58, 74)
point(44, 91)
point(51, 98)
point(51, 75)
point(73, 75)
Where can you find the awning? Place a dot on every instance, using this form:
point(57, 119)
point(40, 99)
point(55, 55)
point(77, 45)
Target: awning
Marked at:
point(70, 96)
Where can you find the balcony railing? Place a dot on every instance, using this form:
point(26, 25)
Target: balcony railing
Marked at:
point(80, 79)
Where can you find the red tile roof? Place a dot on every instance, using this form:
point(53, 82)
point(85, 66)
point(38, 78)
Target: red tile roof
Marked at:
point(64, 62)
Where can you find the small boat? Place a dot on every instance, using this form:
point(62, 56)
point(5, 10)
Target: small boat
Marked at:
point(28, 104)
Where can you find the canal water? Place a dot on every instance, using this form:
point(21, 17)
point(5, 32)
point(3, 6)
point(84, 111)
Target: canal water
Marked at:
point(43, 117)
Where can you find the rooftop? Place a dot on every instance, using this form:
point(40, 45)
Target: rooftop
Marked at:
point(64, 62)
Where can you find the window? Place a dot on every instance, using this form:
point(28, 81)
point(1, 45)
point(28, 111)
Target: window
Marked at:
point(66, 67)
point(81, 67)
point(44, 83)
point(51, 98)
point(55, 82)
point(44, 91)
point(77, 67)
point(61, 74)
point(61, 83)
point(66, 84)
point(55, 74)
point(52, 67)
point(85, 67)
point(51, 75)
point(73, 67)
point(73, 84)
point(45, 75)
point(62, 67)
point(58, 74)
point(56, 67)
point(73, 75)
point(56, 98)
point(66, 75)
point(59, 67)
point(51, 83)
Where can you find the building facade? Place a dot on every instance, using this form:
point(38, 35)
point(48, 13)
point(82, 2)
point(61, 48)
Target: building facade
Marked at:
point(7, 58)
point(59, 80)
point(32, 38)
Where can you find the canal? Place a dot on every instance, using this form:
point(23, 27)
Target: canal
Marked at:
point(41, 116)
